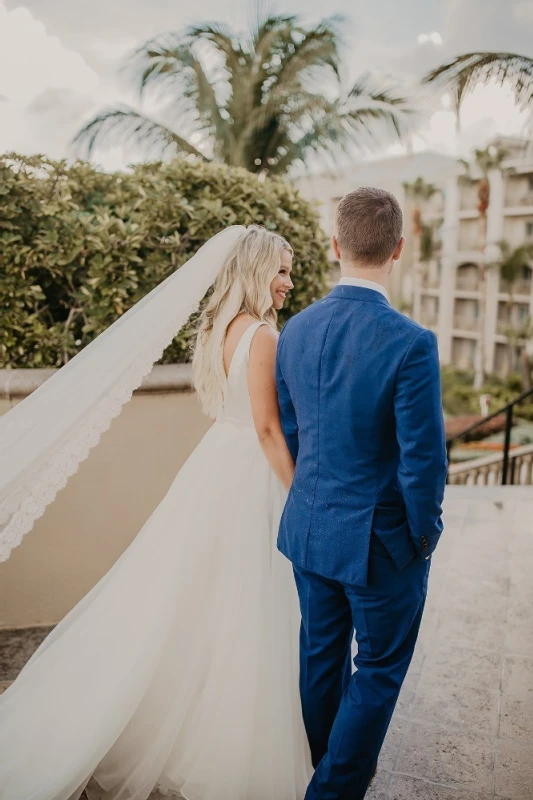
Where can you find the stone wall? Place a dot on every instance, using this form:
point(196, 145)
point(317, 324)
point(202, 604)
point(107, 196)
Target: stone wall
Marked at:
point(106, 503)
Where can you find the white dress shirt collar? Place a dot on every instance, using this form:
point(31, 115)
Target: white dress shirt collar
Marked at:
point(377, 287)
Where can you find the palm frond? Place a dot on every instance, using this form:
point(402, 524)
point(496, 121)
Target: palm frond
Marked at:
point(512, 260)
point(464, 73)
point(127, 126)
point(368, 109)
point(312, 49)
point(267, 31)
point(419, 189)
point(159, 62)
point(336, 127)
point(253, 99)
point(221, 38)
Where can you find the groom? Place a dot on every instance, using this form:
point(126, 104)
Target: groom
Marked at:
point(359, 393)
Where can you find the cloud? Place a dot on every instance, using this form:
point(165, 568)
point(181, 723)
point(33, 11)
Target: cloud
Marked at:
point(31, 60)
point(523, 13)
point(73, 68)
point(478, 25)
point(47, 89)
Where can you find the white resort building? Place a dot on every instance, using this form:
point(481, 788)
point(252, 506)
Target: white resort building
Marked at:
point(444, 292)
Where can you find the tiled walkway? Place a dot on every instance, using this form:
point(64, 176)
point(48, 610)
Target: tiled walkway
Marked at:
point(463, 727)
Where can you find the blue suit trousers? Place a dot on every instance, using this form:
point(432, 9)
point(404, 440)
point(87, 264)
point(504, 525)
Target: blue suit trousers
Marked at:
point(347, 715)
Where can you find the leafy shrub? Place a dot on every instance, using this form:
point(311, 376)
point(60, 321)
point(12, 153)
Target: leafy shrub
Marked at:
point(78, 247)
point(458, 396)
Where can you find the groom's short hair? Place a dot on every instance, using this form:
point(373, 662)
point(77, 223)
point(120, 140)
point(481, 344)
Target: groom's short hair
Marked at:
point(368, 226)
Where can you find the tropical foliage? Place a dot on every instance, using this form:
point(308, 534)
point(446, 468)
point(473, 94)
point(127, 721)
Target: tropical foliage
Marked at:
point(460, 398)
point(484, 161)
point(512, 261)
point(464, 73)
point(78, 247)
point(262, 101)
point(513, 264)
point(417, 194)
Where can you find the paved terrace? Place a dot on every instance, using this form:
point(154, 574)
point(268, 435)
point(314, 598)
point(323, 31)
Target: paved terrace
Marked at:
point(463, 727)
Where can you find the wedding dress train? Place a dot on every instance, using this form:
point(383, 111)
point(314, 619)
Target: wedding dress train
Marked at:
point(180, 667)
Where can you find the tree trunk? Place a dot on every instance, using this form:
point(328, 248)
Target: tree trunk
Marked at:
point(417, 280)
point(525, 369)
point(479, 376)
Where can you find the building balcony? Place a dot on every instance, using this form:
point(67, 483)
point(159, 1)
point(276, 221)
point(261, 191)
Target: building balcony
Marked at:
point(468, 213)
point(467, 283)
point(517, 287)
point(430, 281)
point(517, 206)
point(504, 326)
point(430, 319)
point(464, 322)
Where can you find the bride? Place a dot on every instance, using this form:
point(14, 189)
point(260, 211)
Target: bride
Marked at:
point(179, 669)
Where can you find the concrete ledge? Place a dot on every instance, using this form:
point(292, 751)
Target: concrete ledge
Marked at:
point(19, 383)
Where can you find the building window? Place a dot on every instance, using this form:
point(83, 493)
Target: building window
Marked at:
point(529, 230)
point(530, 183)
point(463, 353)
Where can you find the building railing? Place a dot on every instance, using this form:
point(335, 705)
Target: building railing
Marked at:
point(488, 471)
point(505, 326)
point(469, 283)
point(429, 320)
point(430, 281)
point(512, 465)
point(516, 287)
point(463, 322)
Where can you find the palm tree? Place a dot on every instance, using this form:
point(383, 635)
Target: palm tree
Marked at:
point(418, 192)
point(485, 161)
point(464, 73)
point(520, 340)
point(511, 265)
point(263, 101)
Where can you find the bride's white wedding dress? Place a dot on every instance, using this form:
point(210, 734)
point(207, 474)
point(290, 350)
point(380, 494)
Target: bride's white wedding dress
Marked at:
point(180, 668)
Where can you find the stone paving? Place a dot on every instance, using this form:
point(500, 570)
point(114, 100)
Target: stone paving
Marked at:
point(463, 727)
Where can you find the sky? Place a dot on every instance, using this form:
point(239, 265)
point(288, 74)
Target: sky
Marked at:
point(60, 60)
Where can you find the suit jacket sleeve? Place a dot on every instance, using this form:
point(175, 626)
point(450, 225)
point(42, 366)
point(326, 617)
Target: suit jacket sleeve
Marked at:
point(420, 432)
point(289, 422)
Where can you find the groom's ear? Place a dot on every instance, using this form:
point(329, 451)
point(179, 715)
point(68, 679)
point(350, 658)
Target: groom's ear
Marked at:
point(397, 253)
point(335, 246)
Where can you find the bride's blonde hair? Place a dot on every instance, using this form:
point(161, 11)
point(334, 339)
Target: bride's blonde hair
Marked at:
point(242, 286)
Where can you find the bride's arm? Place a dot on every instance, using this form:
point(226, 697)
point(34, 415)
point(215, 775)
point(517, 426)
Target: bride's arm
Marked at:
point(265, 409)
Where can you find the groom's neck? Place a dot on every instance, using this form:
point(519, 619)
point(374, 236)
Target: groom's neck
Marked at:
point(377, 274)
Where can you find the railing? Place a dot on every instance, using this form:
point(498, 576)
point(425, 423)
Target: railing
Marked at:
point(430, 281)
point(469, 283)
point(513, 464)
point(462, 322)
point(429, 320)
point(515, 287)
point(506, 326)
point(488, 471)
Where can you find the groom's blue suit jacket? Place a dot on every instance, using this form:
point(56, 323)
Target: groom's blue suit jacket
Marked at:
point(360, 401)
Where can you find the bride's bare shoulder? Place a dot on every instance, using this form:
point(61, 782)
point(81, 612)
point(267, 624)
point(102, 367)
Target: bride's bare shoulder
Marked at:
point(238, 325)
point(264, 345)
point(234, 333)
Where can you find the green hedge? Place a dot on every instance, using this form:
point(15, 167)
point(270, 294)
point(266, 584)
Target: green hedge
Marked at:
point(459, 397)
point(78, 247)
